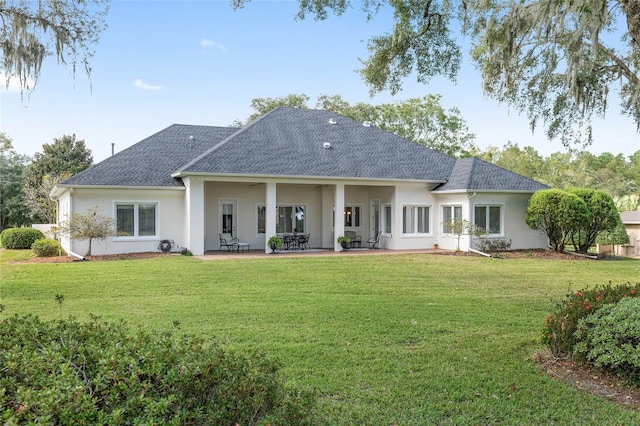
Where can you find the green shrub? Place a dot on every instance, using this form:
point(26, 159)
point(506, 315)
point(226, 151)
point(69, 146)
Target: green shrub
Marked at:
point(19, 238)
point(46, 247)
point(561, 325)
point(610, 338)
point(66, 372)
point(186, 252)
point(492, 245)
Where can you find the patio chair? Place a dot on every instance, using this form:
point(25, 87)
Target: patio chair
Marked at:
point(303, 241)
point(226, 240)
point(355, 239)
point(373, 241)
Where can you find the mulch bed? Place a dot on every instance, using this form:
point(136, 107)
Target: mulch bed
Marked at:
point(107, 257)
point(589, 379)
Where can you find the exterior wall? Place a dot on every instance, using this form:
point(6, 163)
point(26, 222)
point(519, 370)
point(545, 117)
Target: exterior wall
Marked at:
point(64, 207)
point(450, 241)
point(192, 218)
point(513, 226)
point(633, 248)
point(170, 216)
point(247, 197)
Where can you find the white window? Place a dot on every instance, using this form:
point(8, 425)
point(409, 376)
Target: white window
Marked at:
point(450, 214)
point(415, 219)
point(136, 219)
point(352, 216)
point(386, 220)
point(489, 217)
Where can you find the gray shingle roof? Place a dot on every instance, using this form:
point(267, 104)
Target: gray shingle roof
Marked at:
point(290, 142)
point(630, 217)
point(151, 161)
point(475, 174)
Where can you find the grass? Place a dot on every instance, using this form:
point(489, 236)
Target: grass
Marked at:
point(387, 339)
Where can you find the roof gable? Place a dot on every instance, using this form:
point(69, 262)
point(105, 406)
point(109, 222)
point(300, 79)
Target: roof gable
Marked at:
point(293, 142)
point(474, 174)
point(151, 161)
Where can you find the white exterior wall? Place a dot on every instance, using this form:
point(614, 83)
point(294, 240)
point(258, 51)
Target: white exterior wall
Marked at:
point(513, 225)
point(191, 217)
point(450, 241)
point(170, 218)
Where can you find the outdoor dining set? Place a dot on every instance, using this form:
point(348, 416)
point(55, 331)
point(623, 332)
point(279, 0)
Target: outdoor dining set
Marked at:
point(294, 241)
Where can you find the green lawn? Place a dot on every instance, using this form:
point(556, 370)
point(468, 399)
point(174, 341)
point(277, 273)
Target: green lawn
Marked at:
point(406, 339)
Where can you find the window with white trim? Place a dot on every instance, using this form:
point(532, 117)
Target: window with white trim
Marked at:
point(489, 217)
point(136, 219)
point(352, 215)
point(386, 220)
point(415, 219)
point(450, 214)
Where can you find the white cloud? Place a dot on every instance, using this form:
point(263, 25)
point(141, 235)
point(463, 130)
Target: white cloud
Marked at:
point(146, 86)
point(210, 43)
point(14, 83)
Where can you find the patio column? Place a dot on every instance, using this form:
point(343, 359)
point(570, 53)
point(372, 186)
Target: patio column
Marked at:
point(339, 216)
point(194, 204)
point(269, 214)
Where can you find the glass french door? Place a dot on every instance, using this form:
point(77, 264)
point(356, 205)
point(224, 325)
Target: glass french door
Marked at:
point(228, 216)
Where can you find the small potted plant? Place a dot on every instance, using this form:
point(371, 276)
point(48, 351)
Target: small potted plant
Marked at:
point(275, 242)
point(436, 246)
point(344, 241)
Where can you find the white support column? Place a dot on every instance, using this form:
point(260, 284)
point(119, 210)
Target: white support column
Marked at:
point(269, 214)
point(194, 202)
point(339, 216)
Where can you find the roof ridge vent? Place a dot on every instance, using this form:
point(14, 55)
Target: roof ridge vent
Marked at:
point(332, 120)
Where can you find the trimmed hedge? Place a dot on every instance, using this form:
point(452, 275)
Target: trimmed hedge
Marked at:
point(46, 247)
point(19, 238)
point(66, 372)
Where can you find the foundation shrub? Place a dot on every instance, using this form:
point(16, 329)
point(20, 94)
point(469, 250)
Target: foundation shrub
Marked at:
point(492, 245)
point(610, 338)
point(66, 372)
point(559, 332)
point(46, 247)
point(19, 238)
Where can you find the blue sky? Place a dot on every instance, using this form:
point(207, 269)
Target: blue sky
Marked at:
point(201, 62)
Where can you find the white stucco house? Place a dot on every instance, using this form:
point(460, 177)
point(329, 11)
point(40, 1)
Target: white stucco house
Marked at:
point(293, 169)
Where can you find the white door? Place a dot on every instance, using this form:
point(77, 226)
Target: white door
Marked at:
point(228, 216)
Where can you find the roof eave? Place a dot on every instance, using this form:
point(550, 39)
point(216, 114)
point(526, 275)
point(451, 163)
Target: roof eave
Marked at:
point(252, 177)
point(496, 191)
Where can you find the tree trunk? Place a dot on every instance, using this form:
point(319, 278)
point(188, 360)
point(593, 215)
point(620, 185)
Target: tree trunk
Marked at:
point(631, 9)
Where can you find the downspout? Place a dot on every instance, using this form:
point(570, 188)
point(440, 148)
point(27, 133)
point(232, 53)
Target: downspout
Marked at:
point(82, 258)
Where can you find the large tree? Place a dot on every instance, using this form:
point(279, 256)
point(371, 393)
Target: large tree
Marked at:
point(558, 61)
point(30, 31)
point(13, 171)
point(65, 157)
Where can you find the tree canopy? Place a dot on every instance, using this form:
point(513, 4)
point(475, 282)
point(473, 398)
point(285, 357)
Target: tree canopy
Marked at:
point(557, 61)
point(13, 171)
point(30, 31)
point(63, 158)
